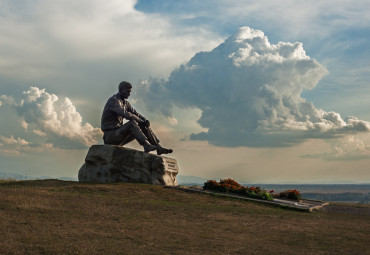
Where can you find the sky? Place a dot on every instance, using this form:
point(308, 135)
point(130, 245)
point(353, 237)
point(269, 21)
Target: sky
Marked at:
point(258, 91)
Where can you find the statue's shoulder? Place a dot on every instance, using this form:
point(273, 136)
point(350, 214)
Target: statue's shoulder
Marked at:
point(111, 102)
point(127, 103)
point(113, 99)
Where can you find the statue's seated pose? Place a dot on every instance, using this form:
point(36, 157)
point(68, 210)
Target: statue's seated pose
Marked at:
point(118, 133)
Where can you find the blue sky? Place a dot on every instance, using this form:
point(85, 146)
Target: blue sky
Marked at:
point(278, 94)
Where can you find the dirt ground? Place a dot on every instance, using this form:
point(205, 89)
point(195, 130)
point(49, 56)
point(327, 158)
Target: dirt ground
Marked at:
point(346, 208)
point(56, 217)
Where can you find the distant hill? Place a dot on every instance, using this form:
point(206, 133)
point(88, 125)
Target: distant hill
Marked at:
point(15, 176)
point(354, 193)
point(317, 188)
point(190, 180)
point(349, 197)
point(20, 177)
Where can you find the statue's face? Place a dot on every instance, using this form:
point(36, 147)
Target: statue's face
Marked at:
point(125, 93)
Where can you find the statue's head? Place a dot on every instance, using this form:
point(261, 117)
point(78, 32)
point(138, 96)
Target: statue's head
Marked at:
point(124, 89)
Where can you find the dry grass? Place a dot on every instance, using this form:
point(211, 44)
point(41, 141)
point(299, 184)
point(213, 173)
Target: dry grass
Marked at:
point(56, 217)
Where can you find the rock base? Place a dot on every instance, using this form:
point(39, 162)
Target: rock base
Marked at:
point(112, 163)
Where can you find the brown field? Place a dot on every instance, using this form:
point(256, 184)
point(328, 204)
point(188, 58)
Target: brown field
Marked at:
point(57, 217)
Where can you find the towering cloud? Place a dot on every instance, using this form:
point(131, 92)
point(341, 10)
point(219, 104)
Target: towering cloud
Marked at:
point(249, 92)
point(47, 115)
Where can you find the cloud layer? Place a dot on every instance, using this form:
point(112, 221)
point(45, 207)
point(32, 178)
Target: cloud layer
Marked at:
point(51, 117)
point(249, 92)
point(346, 149)
point(89, 42)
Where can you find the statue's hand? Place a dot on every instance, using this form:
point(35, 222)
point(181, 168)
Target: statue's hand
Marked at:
point(131, 116)
point(147, 123)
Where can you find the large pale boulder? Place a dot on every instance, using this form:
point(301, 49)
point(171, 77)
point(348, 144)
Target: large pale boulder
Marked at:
point(111, 163)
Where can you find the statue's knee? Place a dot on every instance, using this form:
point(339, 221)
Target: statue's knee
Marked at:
point(133, 123)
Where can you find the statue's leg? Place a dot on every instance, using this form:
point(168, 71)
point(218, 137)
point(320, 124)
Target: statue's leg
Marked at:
point(148, 132)
point(111, 137)
point(152, 138)
point(127, 139)
point(132, 127)
point(125, 134)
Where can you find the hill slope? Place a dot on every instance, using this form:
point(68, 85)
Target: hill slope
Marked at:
point(59, 217)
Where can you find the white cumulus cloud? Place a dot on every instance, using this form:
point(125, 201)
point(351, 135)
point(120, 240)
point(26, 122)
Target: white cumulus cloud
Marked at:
point(54, 117)
point(249, 92)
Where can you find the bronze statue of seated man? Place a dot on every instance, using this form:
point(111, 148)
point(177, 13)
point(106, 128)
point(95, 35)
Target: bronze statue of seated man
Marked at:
point(117, 132)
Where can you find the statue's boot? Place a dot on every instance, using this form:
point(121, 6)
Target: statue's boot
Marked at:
point(149, 147)
point(161, 150)
point(152, 139)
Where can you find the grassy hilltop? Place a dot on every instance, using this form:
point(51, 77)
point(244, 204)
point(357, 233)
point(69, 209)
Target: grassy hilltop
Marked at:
point(59, 217)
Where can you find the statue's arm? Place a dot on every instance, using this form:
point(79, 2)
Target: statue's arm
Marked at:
point(141, 118)
point(126, 112)
point(134, 112)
